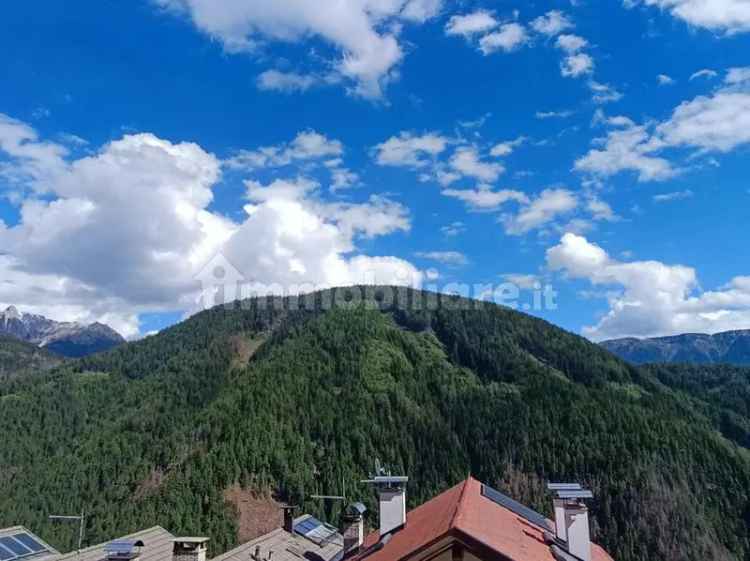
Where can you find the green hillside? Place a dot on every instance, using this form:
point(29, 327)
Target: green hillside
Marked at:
point(276, 398)
point(18, 357)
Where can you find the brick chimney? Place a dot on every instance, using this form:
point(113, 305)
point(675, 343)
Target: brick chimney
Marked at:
point(189, 549)
point(353, 528)
point(289, 518)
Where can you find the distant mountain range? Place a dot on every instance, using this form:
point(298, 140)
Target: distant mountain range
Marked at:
point(63, 338)
point(730, 347)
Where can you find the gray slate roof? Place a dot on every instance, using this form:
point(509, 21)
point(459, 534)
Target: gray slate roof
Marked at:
point(286, 547)
point(157, 546)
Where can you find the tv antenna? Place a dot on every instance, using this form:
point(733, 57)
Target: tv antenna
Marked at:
point(81, 519)
point(341, 497)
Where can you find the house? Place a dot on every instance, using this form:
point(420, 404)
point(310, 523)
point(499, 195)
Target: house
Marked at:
point(302, 538)
point(469, 522)
point(473, 522)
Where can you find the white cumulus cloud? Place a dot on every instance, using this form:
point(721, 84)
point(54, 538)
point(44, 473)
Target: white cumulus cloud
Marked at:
point(470, 24)
point(650, 298)
point(126, 229)
point(728, 16)
point(508, 37)
point(369, 48)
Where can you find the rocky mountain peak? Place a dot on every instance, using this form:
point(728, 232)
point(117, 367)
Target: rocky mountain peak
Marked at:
point(64, 338)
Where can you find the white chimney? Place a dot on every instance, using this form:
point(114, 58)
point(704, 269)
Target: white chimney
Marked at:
point(563, 490)
point(392, 508)
point(577, 530)
point(392, 499)
point(559, 505)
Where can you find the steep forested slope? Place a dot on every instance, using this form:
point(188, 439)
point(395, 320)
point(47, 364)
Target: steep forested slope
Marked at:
point(296, 400)
point(18, 357)
point(721, 391)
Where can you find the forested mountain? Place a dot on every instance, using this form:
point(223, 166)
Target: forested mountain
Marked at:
point(273, 397)
point(62, 338)
point(723, 391)
point(730, 347)
point(17, 357)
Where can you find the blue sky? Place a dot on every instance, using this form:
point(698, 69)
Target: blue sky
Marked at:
point(598, 147)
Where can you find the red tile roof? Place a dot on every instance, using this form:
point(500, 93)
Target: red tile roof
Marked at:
point(463, 511)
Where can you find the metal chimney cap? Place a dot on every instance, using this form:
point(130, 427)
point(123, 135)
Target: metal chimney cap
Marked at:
point(564, 486)
point(579, 494)
point(387, 479)
point(356, 509)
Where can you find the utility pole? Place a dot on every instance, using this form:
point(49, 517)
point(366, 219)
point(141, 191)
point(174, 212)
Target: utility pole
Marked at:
point(81, 519)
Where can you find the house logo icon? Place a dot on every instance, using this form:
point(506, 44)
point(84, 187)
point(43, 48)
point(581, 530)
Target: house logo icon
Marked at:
point(220, 282)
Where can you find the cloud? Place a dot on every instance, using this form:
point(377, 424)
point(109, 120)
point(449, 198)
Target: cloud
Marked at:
point(506, 148)
point(438, 158)
point(369, 49)
point(476, 123)
point(485, 199)
point(467, 25)
point(720, 122)
point(600, 210)
point(673, 196)
point(652, 298)
point(577, 65)
point(665, 80)
point(409, 150)
point(548, 206)
point(445, 257)
point(728, 16)
point(124, 230)
point(738, 75)
point(705, 73)
point(604, 93)
point(509, 37)
point(716, 123)
point(522, 281)
point(553, 114)
point(307, 145)
point(627, 149)
point(308, 149)
point(287, 82)
point(466, 162)
point(571, 43)
point(552, 23)
point(453, 229)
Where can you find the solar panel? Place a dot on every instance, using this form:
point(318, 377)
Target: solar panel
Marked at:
point(515, 507)
point(15, 547)
point(5, 555)
point(30, 542)
point(315, 530)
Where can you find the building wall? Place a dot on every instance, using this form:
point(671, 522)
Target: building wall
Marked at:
point(442, 552)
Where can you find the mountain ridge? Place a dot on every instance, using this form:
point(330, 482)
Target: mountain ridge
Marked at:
point(67, 339)
point(731, 347)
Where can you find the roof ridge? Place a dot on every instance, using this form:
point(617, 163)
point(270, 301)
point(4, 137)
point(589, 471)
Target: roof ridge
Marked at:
point(459, 503)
